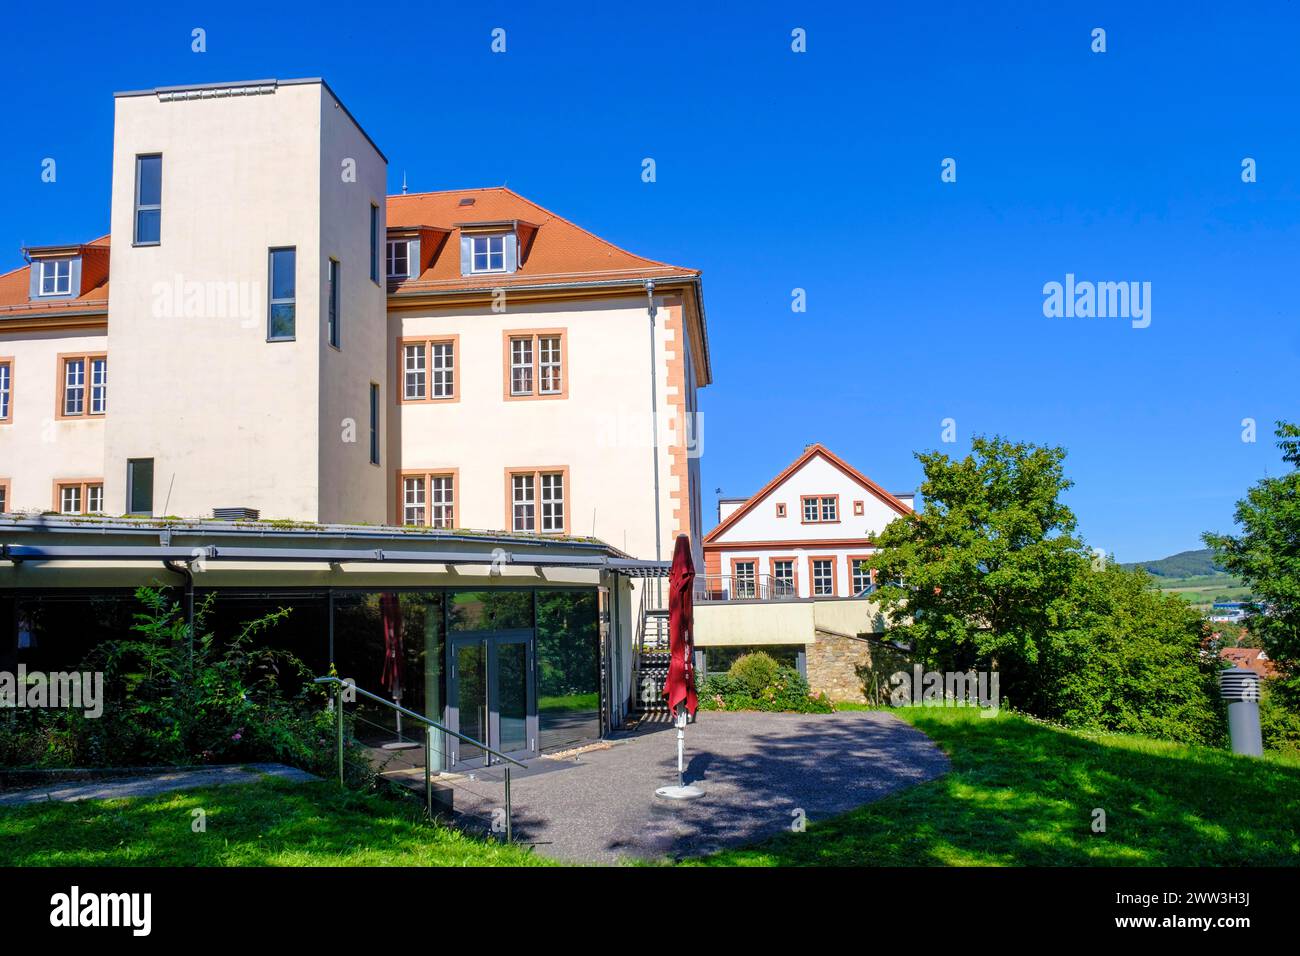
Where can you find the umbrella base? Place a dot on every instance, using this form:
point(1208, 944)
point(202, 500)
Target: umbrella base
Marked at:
point(679, 793)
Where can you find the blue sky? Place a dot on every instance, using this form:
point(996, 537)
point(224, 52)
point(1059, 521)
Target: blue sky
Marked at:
point(821, 171)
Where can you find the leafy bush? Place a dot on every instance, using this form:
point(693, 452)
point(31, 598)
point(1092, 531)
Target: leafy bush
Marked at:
point(754, 672)
point(786, 690)
point(172, 701)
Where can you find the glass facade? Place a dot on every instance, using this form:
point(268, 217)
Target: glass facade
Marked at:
point(524, 663)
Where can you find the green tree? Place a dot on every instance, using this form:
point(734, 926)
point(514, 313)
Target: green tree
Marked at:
point(984, 571)
point(1266, 556)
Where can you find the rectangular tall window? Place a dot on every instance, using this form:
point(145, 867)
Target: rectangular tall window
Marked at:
point(399, 259)
point(524, 503)
point(413, 372)
point(413, 500)
point(536, 364)
point(521, 366)
point(744, 575)
point(553, 503)
point(488, 254)
point(83, 385)
point(374, 243)
point(98, 386)
point(4, 497)
point(374, 424)
point(283, 283)
point(442, 369)
point(861, 574)
point(783, 577)
point(820, 508)
point(139, 486)
point(442, 492)
point(823, 577)
point(70, 499)
point(56, 276)
point(94, 499)
point(333, 306)
point(6, 390)
point(148, 200)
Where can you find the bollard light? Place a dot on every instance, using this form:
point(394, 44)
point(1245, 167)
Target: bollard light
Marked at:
point(1240, 688)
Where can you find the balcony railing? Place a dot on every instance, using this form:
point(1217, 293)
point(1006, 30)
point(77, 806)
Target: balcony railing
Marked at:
point(753, 587)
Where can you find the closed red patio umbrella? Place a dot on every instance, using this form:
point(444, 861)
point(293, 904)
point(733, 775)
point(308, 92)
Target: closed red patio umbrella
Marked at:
point(680, 686)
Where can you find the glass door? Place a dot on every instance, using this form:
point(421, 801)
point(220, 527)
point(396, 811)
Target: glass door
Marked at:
point(491, 696)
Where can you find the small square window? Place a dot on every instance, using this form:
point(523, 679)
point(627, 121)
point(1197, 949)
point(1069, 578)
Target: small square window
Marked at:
point(487, 254)
point(55, 276)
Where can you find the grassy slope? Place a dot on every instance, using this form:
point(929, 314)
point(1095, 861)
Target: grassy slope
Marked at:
point(1023, 794)
point(261, 824)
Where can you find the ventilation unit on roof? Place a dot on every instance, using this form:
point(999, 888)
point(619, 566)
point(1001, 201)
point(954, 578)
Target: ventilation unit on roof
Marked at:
point(467, 201)
point(236, 514)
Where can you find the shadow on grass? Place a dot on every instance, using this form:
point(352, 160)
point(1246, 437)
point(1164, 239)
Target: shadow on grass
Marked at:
point(269, 823)
point(1023, 794)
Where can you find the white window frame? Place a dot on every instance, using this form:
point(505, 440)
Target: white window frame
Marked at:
point(744, 583)
point(488, 253)
point(442, 501)
point(552, 503)
point(782, 580)
point(523, 495)
point(521, 365)
point(74, 387)
point(550, 364)
point(856, 568)
point(62, 278)
point(415, 371)
point(391, 258)
point(829, 579)
point(820, 509)
point(442, 369)
point(6, 390)
point(70, 494)
point(94, 498)
point(414, 499)
point(98, 385)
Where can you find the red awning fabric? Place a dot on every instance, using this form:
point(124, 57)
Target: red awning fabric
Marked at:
point(680, 688)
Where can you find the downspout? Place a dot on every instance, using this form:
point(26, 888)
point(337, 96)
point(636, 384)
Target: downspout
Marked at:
point(654, 426)
point(184, 571)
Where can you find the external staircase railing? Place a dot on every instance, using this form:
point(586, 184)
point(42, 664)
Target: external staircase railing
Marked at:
point(344, 687)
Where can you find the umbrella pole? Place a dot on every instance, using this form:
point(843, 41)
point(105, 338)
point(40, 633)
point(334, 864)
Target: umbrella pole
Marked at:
point(681, 791)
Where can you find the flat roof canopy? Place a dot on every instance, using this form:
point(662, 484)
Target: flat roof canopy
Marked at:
point(49, 538)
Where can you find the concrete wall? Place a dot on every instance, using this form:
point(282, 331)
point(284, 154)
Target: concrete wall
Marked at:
point(228, 417)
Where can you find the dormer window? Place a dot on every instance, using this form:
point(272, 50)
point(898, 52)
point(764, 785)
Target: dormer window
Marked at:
point(488, 253)
point(55, 276)
point(399, 259)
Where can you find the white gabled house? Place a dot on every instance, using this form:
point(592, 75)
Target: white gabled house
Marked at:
point(803, 535)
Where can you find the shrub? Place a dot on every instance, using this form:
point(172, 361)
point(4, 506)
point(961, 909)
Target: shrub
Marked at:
point(787, 691)
point(754, 672)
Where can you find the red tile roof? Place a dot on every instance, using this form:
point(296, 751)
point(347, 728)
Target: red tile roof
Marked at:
point(15, 291)
point(559, 253)
point(1251, 658)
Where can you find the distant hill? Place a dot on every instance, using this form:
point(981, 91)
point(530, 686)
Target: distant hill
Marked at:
point(1185, 564)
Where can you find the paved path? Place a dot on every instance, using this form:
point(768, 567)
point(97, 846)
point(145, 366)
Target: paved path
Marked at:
point(756, 770)
point(152, 784)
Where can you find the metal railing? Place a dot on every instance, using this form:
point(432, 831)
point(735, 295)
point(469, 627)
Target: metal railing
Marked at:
point(751, 587)
point(343, 686)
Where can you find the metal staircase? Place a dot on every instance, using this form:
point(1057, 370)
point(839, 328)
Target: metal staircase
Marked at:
point(650, 662)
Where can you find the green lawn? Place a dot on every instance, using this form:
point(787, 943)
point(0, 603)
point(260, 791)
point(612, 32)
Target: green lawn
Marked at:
point(271, 823)
point(1023, 794)
point(1019, 793)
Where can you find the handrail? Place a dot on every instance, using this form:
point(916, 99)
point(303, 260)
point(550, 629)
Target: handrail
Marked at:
point(414, 716)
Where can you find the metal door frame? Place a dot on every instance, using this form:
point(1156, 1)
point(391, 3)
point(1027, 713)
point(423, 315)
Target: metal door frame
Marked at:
point(458, 639)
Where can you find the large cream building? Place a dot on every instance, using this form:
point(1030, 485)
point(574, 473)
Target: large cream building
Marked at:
point(265, 330)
